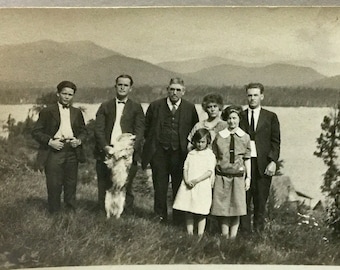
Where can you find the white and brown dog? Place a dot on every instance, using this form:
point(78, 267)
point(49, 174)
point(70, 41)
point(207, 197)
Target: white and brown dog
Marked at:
point(119, 162)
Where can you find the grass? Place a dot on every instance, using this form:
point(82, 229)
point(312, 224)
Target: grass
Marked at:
point(31, 237)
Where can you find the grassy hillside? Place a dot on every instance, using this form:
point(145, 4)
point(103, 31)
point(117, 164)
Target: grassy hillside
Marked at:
point(31, 237)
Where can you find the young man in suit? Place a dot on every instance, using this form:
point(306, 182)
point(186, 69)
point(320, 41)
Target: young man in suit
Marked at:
point(168, 123)
point(264, 130)
point(60, 131)
point(114, 117)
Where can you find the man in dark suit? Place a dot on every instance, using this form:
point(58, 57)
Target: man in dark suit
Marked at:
point(264, 130)
point(168, 123)
point(60, 131)
point(114, 117)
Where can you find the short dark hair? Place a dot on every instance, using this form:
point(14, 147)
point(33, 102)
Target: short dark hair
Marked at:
point(231, 109)
point(254, 85)
point(125, 76)
point(67, 84)
point(212, 98)
point(199, 134)
point(176, 80)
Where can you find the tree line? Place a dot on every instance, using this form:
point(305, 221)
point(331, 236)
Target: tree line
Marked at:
point(275, 96)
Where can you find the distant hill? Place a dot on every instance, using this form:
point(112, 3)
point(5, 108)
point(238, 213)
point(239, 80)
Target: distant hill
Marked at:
point(331, 82)
point(41, 63)
point(102, 72)
point(325, 68)
point(194, 65)
point(45, 63)
point(271, 75)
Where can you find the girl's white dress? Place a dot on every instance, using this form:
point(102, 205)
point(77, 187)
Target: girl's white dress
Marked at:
point(198, 199)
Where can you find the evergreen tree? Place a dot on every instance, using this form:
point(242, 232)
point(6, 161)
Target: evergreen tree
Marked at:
point(328, 148)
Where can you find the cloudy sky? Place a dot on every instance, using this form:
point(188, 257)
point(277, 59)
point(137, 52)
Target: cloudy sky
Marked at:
point(168, 34)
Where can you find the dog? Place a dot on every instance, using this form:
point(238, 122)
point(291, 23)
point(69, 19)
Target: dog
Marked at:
point(119, 161)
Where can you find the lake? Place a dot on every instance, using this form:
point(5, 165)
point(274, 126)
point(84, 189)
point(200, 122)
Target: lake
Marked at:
point(300, 126)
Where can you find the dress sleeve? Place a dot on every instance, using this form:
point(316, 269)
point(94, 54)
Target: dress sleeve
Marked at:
point(186, 163)
point(211, 161)
point(247, 154)
point(211, 164)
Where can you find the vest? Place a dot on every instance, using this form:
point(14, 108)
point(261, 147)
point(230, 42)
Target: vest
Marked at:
point(169, 135)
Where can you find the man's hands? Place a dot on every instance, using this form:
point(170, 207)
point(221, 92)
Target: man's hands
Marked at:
point(108, 150)
point(271, 169)
point(58, 144)
point(75, 142)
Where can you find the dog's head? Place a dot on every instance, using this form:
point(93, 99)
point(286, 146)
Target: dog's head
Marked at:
point(126, 139)
point(123, 148)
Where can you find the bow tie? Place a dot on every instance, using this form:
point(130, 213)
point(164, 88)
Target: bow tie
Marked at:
point(121, 102)
point(65, 106)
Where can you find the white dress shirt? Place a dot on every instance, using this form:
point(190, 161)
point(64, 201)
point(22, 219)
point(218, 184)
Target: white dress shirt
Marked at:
point(256, 119)
point(170, 105)
point(117, 129)
point(65, 129)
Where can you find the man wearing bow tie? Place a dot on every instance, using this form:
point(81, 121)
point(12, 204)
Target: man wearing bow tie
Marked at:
point(114, 117)
point(264, 130)
point(168, 123)
point(60, 131)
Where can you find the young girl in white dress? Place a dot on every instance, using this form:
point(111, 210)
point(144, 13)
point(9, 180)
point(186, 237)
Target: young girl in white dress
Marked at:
point(194, 195)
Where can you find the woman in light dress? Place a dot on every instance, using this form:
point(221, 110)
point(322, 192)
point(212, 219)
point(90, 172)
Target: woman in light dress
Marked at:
point(194, 195)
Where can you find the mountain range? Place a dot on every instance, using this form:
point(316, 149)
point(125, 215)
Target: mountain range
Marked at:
point(45, 63)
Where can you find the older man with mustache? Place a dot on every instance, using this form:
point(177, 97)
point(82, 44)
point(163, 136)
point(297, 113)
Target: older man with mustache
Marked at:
point(167, 125)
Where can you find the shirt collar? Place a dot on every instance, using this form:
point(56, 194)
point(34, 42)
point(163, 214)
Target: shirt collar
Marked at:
point(226, 133)
point(61, 106)
point(196, 152)
point(256, 110)
point(170, 103)
point(123, 100)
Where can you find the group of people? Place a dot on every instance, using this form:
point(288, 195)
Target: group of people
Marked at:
point(222, 165)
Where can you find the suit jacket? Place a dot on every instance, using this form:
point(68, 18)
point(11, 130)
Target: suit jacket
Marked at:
point(132, 121)
point(47, 126)
point(267, 137)
point(154, 117)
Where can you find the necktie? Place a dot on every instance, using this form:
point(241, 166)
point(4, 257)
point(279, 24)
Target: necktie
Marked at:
point(121, 102)
point(252, 126)
point(66, 106)
point(232, 148)
point(173, 110)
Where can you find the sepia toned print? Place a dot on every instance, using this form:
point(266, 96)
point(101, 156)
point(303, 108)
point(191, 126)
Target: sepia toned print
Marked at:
point(292, 51)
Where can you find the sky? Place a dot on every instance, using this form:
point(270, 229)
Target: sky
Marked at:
point(172, 34)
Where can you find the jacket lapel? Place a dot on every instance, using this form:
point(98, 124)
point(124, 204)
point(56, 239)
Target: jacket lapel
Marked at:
point(182, 114)
point(126, 111)
point(55, 112)
point(111, 111)
point(73, 115)
point(261, 120)
point(246, 120)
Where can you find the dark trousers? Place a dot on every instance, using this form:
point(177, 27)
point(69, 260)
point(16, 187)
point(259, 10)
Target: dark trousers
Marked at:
point(61, 170)
point(257, 196)
point(166, 163)
point(105, 183)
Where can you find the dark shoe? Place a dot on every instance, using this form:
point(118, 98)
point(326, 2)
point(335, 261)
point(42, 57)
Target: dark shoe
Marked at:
point(245, 234)
point(128, 211)
point(160, 219)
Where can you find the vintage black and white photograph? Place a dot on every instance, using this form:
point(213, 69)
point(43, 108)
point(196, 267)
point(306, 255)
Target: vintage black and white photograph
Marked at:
point(169, 136)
